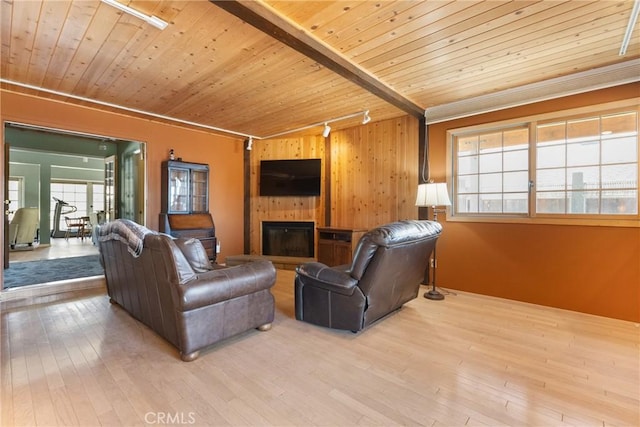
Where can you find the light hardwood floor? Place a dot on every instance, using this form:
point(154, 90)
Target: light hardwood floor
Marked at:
point(467, 360)
point(59, 248)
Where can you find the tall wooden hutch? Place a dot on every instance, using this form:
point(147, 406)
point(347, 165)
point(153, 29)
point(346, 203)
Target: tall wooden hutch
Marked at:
point(185, 203)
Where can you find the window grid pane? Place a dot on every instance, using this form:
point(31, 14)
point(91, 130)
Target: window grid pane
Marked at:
point(601, 155)
point(584, 166)
point(98, 197)
point(14, 195)
point(492, 172)
point(75, 194)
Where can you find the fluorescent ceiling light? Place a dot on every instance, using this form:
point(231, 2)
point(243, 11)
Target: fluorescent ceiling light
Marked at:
point(630, 25)
point(153, 20)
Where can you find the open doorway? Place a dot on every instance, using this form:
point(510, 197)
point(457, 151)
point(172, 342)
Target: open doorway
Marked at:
point(73, 182)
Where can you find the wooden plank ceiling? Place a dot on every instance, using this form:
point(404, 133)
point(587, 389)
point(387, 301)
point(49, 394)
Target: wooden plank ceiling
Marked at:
point(210, 67)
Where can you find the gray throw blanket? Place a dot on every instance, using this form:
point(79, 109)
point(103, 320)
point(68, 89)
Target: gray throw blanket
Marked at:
point(126, 231)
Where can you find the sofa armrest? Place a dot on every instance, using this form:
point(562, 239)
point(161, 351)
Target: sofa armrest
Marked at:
point(225, 283)
point(327, 278)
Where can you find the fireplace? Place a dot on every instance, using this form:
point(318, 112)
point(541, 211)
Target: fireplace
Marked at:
point(292, 239)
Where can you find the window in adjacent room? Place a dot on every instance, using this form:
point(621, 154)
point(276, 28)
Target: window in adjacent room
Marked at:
point(97, 191)
point(14, 195)
point(77, 194)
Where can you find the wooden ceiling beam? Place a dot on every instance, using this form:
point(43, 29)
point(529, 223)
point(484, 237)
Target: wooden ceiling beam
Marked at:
point(266, 20)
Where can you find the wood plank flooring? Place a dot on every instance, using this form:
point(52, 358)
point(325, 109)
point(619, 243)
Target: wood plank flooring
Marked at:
point(58, 248)
point(467, 360)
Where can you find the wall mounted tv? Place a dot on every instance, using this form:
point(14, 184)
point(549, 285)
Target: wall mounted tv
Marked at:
point(295, 177)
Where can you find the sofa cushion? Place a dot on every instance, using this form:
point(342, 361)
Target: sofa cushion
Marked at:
point(195, 253)
point(226, 284)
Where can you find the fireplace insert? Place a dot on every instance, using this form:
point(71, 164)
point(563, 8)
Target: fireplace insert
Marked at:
point(292, 238)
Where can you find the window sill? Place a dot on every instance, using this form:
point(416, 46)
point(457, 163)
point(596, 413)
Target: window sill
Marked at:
point(629, 222)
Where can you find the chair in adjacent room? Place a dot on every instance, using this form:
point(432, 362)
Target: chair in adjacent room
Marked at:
point(24, 227)
point(79, 227)
point(389, 263)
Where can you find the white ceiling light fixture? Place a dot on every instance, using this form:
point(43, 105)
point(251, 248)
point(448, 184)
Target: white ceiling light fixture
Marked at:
point(366, 118)
point(326, 130)
point(149, 19)
point(250, 144)
point(630, 26)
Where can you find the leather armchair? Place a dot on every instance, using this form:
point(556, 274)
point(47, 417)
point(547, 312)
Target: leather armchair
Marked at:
point(169, 285)
point(388, 266)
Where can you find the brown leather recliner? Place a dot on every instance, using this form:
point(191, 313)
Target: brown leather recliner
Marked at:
point(388, 265)
point(169, 285)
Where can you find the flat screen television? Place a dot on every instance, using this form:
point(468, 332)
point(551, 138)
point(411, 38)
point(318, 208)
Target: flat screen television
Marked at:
point(295, 177)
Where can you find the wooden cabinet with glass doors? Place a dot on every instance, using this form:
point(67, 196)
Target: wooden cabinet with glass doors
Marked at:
point(185, 203)
point(185, 187)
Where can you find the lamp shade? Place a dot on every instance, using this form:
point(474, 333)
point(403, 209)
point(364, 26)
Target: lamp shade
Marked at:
point(433, 194)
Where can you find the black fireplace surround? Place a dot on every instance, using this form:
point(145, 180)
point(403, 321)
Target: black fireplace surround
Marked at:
point(288, 238)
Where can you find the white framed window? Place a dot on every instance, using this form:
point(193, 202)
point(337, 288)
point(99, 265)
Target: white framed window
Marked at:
point(86, 197)
point(563, 167)
point(588, 165)
point(492, 171)
point(15, 194)
point(97, 197)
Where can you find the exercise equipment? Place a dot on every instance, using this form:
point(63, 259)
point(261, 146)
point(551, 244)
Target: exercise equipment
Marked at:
point(58, 215)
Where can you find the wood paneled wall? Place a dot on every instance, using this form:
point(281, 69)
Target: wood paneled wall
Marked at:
point(372, 180)
point(374, 173)
point(283, 208)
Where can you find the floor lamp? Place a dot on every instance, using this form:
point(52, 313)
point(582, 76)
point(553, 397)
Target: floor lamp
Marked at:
point(433, 194)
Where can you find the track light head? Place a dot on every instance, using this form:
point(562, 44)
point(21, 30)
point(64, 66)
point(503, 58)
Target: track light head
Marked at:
point(326, 130)
point(250, 144)
point(366, 118)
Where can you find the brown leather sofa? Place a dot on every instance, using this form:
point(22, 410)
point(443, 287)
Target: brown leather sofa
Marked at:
point(169, 285)
point(389, 263)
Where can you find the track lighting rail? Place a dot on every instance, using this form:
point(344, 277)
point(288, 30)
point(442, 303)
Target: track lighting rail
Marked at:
point(365, 114)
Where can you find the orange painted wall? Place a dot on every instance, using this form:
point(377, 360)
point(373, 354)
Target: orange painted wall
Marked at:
point(590, 269)
point(223, 154)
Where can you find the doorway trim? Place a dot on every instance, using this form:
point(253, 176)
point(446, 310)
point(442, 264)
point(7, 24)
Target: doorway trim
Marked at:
point(50, 288)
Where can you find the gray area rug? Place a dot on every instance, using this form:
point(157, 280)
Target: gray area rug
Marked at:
point(51, 270)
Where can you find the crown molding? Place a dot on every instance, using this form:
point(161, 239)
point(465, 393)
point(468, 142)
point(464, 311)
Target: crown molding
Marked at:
point(586, 81)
